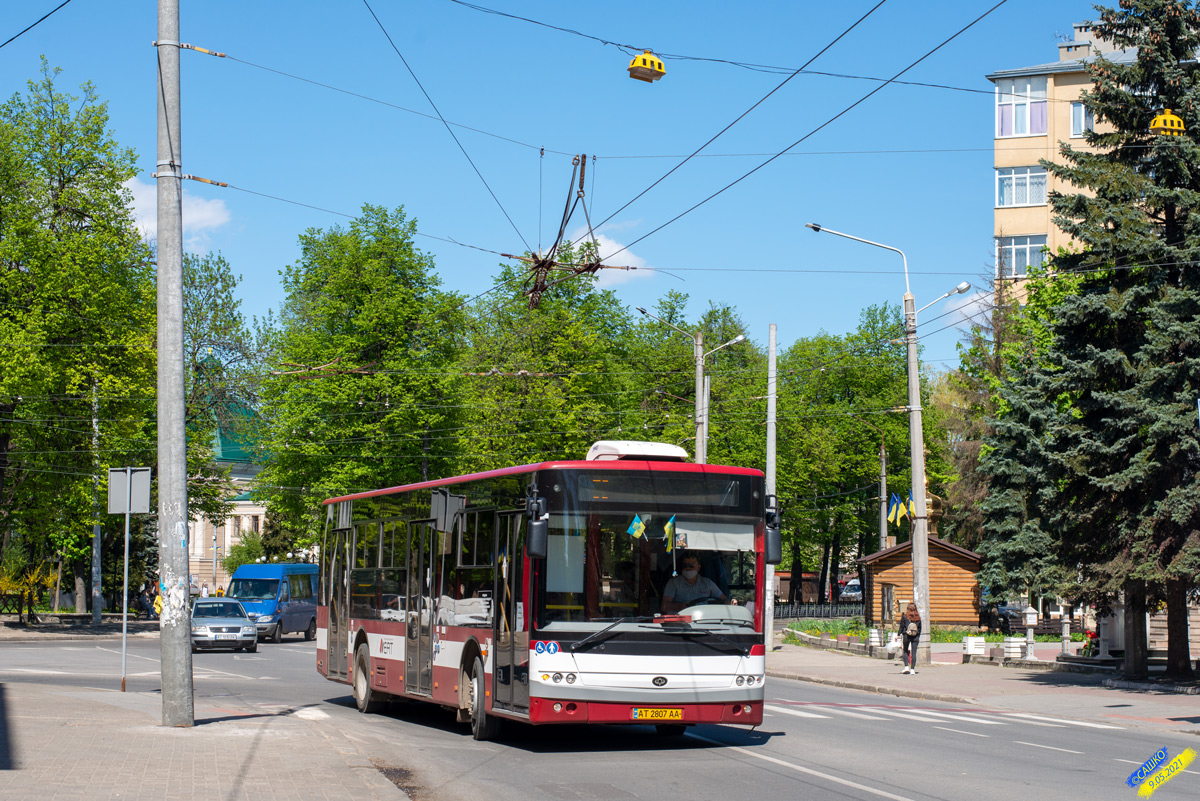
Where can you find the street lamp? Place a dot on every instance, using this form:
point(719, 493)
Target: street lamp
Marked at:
point(701, 402)
point(916, 439)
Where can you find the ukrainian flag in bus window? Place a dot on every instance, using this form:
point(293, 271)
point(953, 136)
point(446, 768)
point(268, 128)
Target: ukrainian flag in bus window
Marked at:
point(636, 528)
point(669, 534)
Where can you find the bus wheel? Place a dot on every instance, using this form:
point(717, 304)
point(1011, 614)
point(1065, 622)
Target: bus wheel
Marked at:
point(310, 633)
point(670, 729)
point(364, 696)
point(483, 725)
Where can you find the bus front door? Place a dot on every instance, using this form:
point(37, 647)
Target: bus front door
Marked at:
point(338, 604)
point(418, 653)
point(510, 672)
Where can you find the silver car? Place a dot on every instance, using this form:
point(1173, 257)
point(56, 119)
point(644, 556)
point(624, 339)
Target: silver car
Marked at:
point(222, 623)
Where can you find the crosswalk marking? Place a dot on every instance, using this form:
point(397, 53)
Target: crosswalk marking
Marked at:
point(837, 710)
point(795, 712)
point(956, 716)
point(905, 715)
point(1027, 716)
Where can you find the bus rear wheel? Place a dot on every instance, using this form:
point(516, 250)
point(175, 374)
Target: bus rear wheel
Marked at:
point(364, 696)
point(483, 725)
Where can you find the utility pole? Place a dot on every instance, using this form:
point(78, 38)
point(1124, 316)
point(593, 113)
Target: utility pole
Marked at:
point(178, 704)
point(701, 444)
point(920, 534)
point(883, 493)
point(95, 507)
point(769, 591)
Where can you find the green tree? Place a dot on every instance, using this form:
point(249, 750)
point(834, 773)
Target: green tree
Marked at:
point(365, 381)
point(1110, 410)
point(76, 319)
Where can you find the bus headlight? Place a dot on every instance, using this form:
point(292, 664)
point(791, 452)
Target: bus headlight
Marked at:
point(741, 680)
point(570, 678)
point(556, 678)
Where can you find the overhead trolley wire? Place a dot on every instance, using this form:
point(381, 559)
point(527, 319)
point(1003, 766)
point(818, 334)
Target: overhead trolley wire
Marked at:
point(44, 17)
point(741, 116)
point(449, 130)
point(823, 125)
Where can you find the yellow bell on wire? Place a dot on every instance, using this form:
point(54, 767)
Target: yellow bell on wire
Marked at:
point(646, 67)
point(1167, 124)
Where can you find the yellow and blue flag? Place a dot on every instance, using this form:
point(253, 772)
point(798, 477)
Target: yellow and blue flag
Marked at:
point(636, 528)
point(912, 507)
point(669, 534)
point(894, 509)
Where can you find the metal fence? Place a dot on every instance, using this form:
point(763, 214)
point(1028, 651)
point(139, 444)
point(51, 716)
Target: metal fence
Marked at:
point(818, 610)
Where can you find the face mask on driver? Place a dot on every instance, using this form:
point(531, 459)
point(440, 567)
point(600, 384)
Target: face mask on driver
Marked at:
point(690, 574)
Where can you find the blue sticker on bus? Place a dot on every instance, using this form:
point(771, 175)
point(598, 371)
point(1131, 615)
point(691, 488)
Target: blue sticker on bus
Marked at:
point(552, 647)
point(539, 647)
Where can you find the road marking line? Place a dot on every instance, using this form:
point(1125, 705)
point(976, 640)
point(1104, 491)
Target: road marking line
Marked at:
point(837, 710)
point(1049, 747)
point(43, 672)
point(135, 656)
point(960, 731)
point(795, 712)
point(904, 715)
point(1027, 716)
point(966, 718)
point(802, 769)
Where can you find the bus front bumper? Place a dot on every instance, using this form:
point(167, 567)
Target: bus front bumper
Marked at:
point(553, 710)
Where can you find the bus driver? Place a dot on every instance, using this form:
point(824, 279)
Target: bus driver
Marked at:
point(689, 587)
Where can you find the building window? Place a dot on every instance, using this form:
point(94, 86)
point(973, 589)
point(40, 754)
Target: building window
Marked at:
point(1021, 106)
point(1082, 119)
point(1020, 186)
point(1016, 254)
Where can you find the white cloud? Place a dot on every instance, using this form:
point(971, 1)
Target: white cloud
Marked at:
point(200, 215)
point(613, 253)
point(965, 313)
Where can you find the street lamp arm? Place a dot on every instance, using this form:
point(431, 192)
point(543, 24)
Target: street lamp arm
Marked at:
point(734, 341)
point(822, 229)
point(664, 322)
point(958, 290)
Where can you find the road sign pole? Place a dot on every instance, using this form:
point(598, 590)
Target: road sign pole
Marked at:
point(125, 584)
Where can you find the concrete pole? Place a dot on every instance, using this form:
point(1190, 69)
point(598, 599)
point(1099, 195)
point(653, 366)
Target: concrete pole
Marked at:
point(883, 493)
point(95, 507)
point(125, 574)
point(698, 345)
point(920, 535)
point(707, 415)
point(769, 591)
point(178, 704)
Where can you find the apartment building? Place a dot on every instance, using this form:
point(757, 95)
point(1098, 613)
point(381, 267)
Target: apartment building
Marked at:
point(1038, 107)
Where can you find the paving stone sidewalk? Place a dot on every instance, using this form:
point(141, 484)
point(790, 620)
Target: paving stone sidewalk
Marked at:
point(76, 744)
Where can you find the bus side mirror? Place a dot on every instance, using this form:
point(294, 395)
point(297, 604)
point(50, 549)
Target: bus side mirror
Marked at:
point(537, 538)
point(773, 539)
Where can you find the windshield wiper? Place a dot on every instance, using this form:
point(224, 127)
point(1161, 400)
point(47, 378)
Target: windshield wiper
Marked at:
point(596, 636)
point(743, 650)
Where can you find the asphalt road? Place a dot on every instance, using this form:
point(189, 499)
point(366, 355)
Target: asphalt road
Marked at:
point(816, 742)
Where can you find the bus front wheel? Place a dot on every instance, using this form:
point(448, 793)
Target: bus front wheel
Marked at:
point(483, 725)
point(364, 696)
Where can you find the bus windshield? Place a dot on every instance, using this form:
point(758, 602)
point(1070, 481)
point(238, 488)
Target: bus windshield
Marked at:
point(254, 589)
point(618, 540)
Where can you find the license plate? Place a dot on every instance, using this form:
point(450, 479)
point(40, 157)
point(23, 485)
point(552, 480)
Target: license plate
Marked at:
point(655, 714)
point(226, 636)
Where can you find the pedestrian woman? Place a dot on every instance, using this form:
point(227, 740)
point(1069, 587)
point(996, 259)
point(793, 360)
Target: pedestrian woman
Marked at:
point(910, 632)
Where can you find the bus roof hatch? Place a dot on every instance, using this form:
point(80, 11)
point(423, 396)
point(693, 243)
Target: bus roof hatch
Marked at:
point(612, 449)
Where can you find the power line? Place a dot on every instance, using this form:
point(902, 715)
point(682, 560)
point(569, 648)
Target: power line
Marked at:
point(34, 25)
point(449, 130)
point(823, 125)
point(739, 118)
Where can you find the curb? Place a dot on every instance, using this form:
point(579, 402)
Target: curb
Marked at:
point(875, 688)
point(1174, 689)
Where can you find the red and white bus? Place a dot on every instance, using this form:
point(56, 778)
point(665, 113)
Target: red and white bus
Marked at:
point(534, 593)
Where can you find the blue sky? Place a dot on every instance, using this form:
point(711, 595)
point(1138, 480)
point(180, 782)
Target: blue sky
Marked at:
point(910, 167)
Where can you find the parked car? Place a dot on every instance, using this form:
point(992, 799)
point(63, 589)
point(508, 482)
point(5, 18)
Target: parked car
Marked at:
point(222, 623)
point(280, 598)
point(1002, 617)
point(852, 592)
